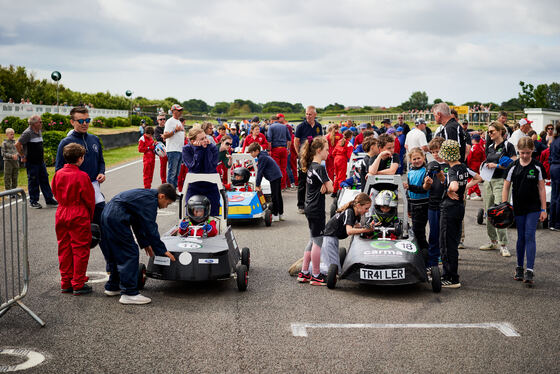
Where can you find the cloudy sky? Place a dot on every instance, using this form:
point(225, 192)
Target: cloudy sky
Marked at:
point(363, 52)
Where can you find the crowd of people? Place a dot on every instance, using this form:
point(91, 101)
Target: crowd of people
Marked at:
point(442, 168)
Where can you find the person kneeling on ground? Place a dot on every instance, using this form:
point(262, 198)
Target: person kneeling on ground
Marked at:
point(135, 208)
point(268, 168)
point(197, 222)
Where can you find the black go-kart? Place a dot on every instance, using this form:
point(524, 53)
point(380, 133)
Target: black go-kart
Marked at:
point(200, 258)
point(393, 258)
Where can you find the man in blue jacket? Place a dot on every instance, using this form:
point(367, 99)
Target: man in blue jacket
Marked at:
point(267, 167)
point(137, 209)
point(94, 164)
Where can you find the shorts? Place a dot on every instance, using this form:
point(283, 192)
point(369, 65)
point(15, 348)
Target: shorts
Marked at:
point(316, 225)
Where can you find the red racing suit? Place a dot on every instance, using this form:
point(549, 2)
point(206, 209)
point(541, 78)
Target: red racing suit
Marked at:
point(341, 154)
point(330, 158)
point(474, 160)
point(146, 146)
point(73, 190)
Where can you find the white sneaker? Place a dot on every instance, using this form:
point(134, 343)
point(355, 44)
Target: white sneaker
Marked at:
point(112, 293)
point(489, 246)
point(136, 299)
point(282, 218)
point(275, 218)
point(301, 211)
point(468, 197)
point(476, 198)
point(504, 251)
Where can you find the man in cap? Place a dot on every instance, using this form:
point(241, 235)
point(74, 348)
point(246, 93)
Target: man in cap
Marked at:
point(386, 126)
point(174, 135)
point(521, 132)
point(360, 137)
point(403, 124)
point(465, 126)
point(234, 135)
point(416, 137)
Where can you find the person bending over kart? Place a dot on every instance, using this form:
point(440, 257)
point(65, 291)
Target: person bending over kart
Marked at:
point(385, 215)
point(137, 209)
point(197, 222)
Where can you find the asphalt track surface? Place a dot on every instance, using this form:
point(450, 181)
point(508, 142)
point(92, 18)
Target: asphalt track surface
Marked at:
point(214, 328)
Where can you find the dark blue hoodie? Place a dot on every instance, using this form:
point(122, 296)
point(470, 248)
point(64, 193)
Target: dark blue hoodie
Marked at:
point(266, 167)
point(93, 164)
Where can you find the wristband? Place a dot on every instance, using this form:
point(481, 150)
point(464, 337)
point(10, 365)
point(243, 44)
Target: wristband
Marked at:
point(543, 210)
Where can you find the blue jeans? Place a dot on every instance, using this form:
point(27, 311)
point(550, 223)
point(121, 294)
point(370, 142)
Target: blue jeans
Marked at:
point(289, 169)
point(174, 160)
point(433, 240)
point(554, 219)
point(37, 177)
point(526, 243)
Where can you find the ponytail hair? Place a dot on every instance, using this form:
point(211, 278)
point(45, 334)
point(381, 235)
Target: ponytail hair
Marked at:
point(360, 199)
point(309, 151)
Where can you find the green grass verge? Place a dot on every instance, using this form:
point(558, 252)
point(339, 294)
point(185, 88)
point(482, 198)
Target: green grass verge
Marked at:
point(113, 157)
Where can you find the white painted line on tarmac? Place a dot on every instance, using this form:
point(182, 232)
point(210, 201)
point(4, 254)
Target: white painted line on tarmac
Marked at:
point(300, 329)
point(32, 359)
point(104, 276)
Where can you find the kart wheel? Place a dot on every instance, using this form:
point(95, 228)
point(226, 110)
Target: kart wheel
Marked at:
point(246, 257)
point(436, 279)
point(242, 277)
point(267, 218)
point(331, 276)
point(480, 217)
point(333, 209)
point(141, 276)
point(341, 255)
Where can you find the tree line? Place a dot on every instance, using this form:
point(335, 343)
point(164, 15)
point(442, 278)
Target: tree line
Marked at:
point(17, 83)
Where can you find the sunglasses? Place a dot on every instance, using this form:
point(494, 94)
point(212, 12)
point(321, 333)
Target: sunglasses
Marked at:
point(491, 131)
point(161, 119)
point(227, 143)
point(549, 128)
point(81, 121)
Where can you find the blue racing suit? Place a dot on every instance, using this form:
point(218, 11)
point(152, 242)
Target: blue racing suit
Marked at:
point(137, 209)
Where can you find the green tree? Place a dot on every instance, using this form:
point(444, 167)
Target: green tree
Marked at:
point(527, 95)
point(336, 107)
point(553, 95)
point(437, 101)
point(511, 105)
point(418, 100)
point(221, 107)
point(196, 106)
point(541, 96)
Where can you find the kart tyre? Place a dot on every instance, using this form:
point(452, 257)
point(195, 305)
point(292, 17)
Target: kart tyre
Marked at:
point(331, 276)
point(436, 279)
point(341, 255)
point(480, 217)
point(242, 277)
point(141, 276)
point(267, 218)
point(246, 257)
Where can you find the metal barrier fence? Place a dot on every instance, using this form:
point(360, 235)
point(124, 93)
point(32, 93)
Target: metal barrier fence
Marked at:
point(27, 110)
point(14, 263)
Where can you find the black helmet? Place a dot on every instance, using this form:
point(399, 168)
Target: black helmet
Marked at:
point(95, 235)
point(198, 202)
point(245, 175)
point(501, 216)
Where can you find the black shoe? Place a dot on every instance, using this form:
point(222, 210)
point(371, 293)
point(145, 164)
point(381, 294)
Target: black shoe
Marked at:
point(320, 280)
point(333, 195)
point(83, 291)
point(518, 273)
point(529, 277)
point(449, 283)
point(35, 205)
point(52, 202)
point(66, 290)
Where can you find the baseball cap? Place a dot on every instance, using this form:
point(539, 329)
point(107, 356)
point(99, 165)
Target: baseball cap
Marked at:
point(363, 126)
point(391, 130)
point(475, 136)
point(524, 121)
point(465, 121)
point(420, 121)
point(176, 107)
point(353, 129)
point(256, 119)
point(232, 126)
point(280, 115)
point(386, 120)
point(400, 129)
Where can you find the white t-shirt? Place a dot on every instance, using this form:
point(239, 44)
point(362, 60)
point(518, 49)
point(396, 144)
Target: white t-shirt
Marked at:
point(415, 138)
point(514, 138)
point(174, 143)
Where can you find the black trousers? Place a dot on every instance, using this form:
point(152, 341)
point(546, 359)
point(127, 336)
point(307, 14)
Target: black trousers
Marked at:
point(276, 192)
point(449, 238)
point(302, 181)
point(419, 215)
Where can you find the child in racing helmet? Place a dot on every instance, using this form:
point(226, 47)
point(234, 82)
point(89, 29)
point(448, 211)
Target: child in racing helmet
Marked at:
point(385, 213)
point(197, 223)
point(240, 181)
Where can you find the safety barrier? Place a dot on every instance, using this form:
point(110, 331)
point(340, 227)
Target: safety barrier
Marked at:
point(27, 110)
point(14, 263)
